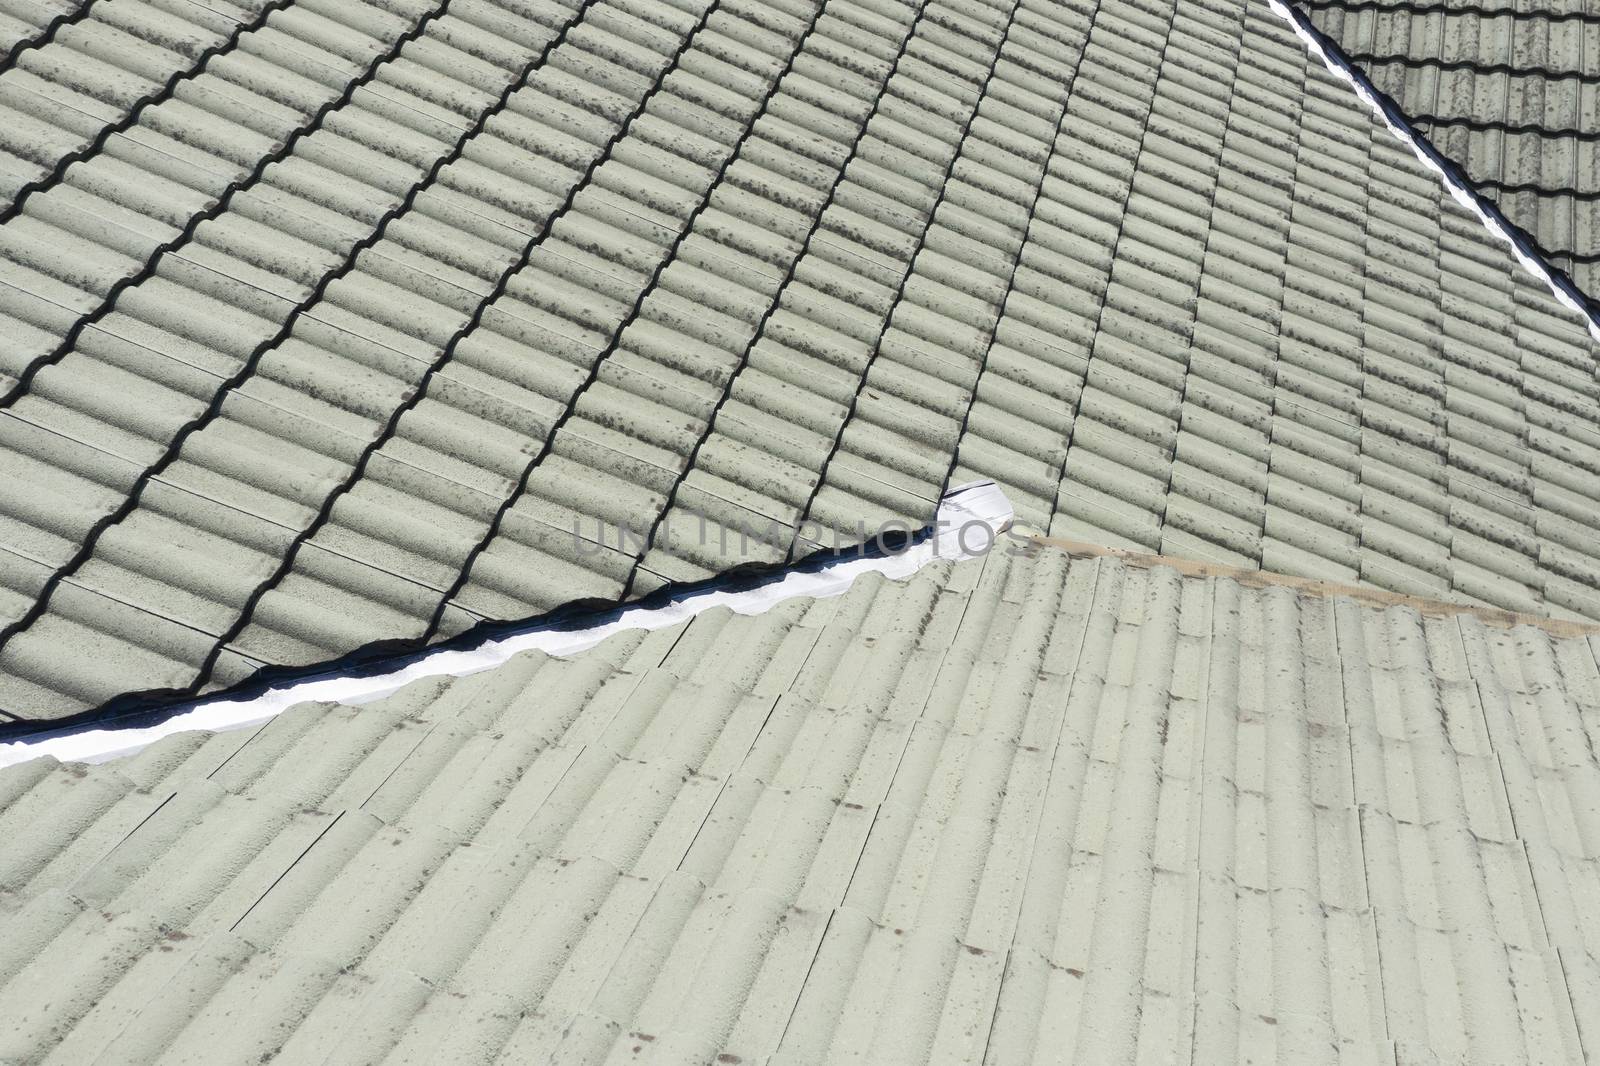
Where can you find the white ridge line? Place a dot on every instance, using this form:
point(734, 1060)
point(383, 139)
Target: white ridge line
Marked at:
point(1465, 195)
point(969, 520)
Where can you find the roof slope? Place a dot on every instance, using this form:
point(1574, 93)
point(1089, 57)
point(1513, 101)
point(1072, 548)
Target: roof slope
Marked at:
point(1012, 810)
point(333, 336)
point(1509, 91)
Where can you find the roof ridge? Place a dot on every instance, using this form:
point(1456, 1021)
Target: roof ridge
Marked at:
point(1526, 249)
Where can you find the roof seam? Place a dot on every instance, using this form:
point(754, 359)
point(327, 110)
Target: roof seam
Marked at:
point(1367, 595)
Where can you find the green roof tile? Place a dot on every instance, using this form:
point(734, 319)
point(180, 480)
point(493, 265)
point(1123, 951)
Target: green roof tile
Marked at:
point(1030, 805)
point(325, 322)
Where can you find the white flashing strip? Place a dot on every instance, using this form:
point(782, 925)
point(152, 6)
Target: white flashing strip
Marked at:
point(1464, 195)
point(969, 520)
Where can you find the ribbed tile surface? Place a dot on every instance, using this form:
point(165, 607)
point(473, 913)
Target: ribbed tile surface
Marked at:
point(1023, 809)
point(328, 322)
point(1509, 91)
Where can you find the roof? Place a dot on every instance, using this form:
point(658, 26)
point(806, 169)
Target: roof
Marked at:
point(1506, 91)
point(1009, 810)
point(330, 322)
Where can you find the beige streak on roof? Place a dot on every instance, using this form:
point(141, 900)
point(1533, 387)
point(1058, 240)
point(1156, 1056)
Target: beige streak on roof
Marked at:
point(1031, 808)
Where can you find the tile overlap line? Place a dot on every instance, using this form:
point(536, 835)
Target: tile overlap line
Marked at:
point(1504, 126)
point(1060, 478)
point(1277, 398)
point(1369, 921)
point(323, 832)
point(1196, 836)
point(1469, 66)
point(1178, 434)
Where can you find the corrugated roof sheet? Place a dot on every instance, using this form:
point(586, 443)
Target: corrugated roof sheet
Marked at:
point(1024, 809)
point(335, 339)
point(1508, 91)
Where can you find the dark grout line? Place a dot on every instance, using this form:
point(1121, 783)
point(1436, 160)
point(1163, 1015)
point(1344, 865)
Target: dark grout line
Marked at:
point(1473, 66)
point(1478, 125)
point(418, 391)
